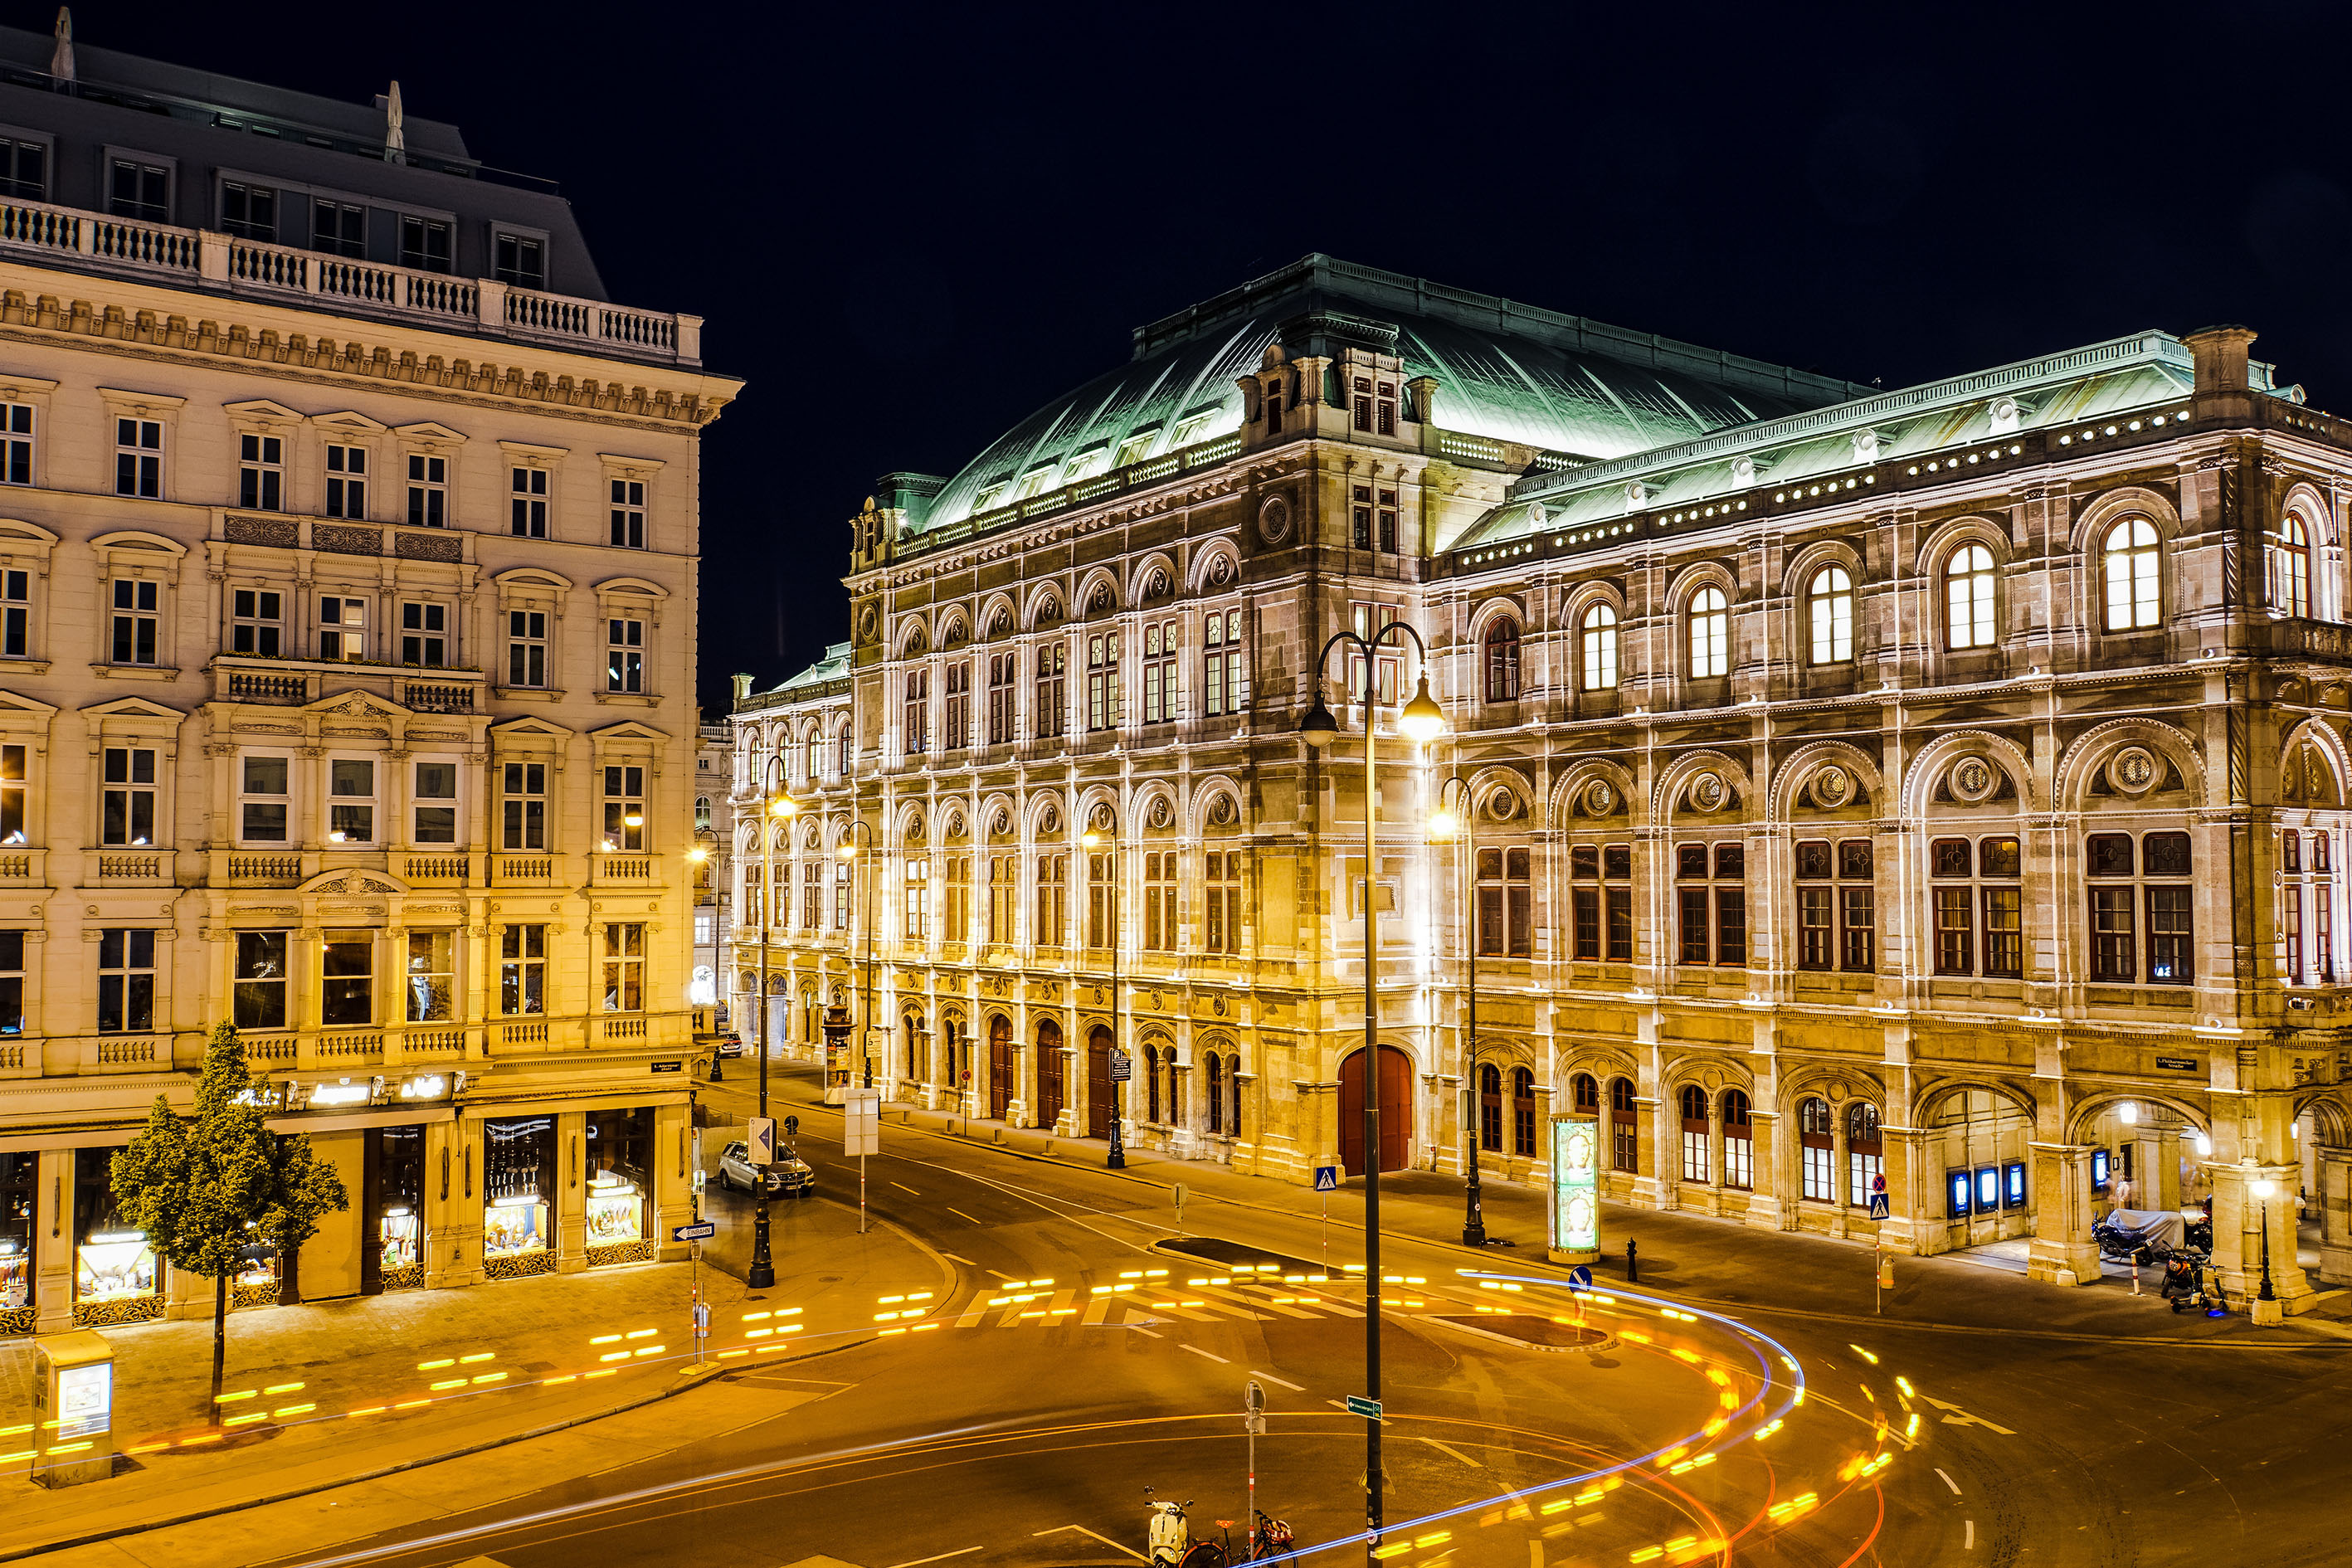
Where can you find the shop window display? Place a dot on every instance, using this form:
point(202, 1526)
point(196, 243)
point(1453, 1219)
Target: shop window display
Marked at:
point(518, 1185)
point(620, 1187)
point(257, 1281)
point(17, 1189)
point(116, 1277)
point(397, 1203)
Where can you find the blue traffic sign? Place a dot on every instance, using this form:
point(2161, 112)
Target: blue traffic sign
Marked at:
point(1326, 1178)
point(1580, 1277)
point(702, 1232)
point(1879, 1207)
point(1359, 1405)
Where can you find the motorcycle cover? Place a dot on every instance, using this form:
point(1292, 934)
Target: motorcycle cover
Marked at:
point(2151, 1228)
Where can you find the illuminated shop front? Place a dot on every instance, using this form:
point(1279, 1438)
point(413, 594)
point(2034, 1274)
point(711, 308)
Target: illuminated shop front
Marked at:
point(19, 1190)
point(517, 1197)
point(620, 1187)
point(257, 1281)
point(116, 1277)
point(395, 1217)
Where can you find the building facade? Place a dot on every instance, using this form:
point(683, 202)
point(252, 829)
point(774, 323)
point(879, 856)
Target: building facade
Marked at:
point(713, 858)
point(348, 551)
point(1932, 793)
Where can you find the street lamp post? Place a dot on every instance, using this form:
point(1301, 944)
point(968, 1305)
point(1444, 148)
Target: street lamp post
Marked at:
point(1092, 838)
point(780, 807)
point(1421, 720)
point(848, 851)
point(2263, 1189)
point(1458, 813)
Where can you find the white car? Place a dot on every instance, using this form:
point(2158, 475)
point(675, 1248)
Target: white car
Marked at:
point(790, 1175)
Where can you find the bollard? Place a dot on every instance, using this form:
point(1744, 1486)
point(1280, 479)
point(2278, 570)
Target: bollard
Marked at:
point(1632, 1265)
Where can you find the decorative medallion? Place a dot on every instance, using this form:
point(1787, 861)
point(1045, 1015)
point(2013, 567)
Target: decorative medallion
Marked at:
point(1832, 787)
point(1221, 811)
point(1221, 570)
point(1502, 805)
point(1218, 1007)
point(915, 828)
point(869, 621)
point(1156, 586)
point(1049, 821)
point(1273, 520)
point(999, 624)
point(1973, 779)
point(1162, 813)
point(955, 825)
point(1599, 798)
point(2133, 771)
point(1003, 823)
point(1708, 792)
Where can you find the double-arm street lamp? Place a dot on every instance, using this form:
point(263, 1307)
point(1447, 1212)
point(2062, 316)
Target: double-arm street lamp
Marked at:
point(1457, 814)
point(779, 810)
point(1421, 720)
point(1095, 839)
point(848, 851)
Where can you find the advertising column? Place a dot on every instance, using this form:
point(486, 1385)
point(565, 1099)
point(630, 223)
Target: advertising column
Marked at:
point(1575, 1194)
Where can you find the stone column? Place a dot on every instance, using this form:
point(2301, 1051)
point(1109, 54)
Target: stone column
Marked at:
point(1906, 1227)
point(1654, 1189)
point(2238, 1223)
point(53, 1242)
point(453, 1202)
point(2063, 1251)
point(1768, 1209)
point(570, 1191)
point(2335, 1216)
point(673, 1179)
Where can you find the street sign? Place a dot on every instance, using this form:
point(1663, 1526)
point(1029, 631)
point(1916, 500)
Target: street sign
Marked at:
point(1254, 1397)
point(861, 1122)
point(1358, 1405)
point(792, 1126)
point(1326, 1178)
point(1122, 1067)
point(759, 1137)
point(1878, 1207)
point(1580, 1277)
point(702, 1232)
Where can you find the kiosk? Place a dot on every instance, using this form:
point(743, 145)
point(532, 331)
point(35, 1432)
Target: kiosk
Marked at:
point(75, 1399)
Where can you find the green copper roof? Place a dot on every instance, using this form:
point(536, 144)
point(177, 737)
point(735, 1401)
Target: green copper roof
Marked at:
point(832, 667)
point(1505, 371)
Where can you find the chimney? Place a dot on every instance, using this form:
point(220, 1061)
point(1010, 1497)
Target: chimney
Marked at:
point(742, 687)
point(2219, 356)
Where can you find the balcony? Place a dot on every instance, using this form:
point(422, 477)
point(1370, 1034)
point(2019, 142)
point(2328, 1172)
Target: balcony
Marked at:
point(297, 682)
point(45, 233)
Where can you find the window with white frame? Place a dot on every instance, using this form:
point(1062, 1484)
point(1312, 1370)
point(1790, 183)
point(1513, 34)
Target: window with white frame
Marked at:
point(1222, 901)
point(528, 512)
point(2129, 562)
point(127, 799)
point(522, 969)
point(1223, 675)
point(342, 627)
point(1102, 680)
point(1968, 597)
point(1710, 634)
point(424, 634)
point(1865, 1153)
point(14, 783)
point(625, 967)
point(1818, 1145)
point(1159, 672)
point(2291, 567)
point(625, 808)
point(16, 614)
point(428, 490)
point(351, 802)
point(1738, 1140)
point(1696, 1135)
point(1829, 601)
point(526, 648)
point(1004, 672)
point(126, 981)
point(15, 443)
point(138, 457)
point(625, 655)
point(260, 472)
point(258, 622)
point(841, 895)
point(1159, 900)
point(1370, 619)
point(264, 799)
point(434, 803)
point(346, 979)
point(346, 480)
point(915, 730)
point(522, 806)
point(919, 897)
point(137, 612)
point(1600, 635)
point(628, 514)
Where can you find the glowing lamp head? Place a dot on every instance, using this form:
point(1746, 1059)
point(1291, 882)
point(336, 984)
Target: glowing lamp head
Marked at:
point(784, 805)
point(1319, 729)
point(1422, 720)
point(697, 855)
point(635, 819)
point(848, 849)
point(1091, 839)
point(2264, 1189)
point(2127, 1113)
point(1443, 824)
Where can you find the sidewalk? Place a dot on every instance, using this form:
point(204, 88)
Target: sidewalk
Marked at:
point(1699, 1258)
point(373, 1385)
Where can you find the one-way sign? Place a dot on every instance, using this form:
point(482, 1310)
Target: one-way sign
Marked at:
point(1359, 1405)
point(702, 1232)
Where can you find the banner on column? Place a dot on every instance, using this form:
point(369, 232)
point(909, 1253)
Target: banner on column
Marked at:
point(1575, 1203)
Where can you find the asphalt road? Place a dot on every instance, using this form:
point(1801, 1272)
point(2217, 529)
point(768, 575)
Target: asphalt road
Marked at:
point(1022, 1430)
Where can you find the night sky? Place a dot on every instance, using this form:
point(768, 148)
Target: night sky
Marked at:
point(907, 228)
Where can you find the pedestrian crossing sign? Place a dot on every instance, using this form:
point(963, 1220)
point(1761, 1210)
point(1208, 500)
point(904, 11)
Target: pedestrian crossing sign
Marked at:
point(1326, 1178)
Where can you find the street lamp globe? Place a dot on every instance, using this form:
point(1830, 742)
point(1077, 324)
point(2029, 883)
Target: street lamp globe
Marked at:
point(2263, 1188)
point(1443, 824)
point(1319, 729)
point(847, 849)
point(635, 819)
point(784, 805)
point(1422, 720)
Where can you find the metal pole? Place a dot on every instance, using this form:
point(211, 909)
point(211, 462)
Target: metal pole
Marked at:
point(2267, 1293)
point(1474, 1220)
point(1371, 1105)
point(866, 1045)
point(761, 1274)
point(1118, 1161)
point(861, 1195)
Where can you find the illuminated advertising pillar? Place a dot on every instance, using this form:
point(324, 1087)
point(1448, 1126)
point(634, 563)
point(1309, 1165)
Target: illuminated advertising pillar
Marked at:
point(1575, 1199)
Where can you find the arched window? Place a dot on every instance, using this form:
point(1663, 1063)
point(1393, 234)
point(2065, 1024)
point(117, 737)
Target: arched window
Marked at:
point(2291, 568)
point(1831, 597)
point(1523, 1112)
point(702, 811)
point(1865, 1156)
point(1739, 1142)
point(1151, 1083)
point(1216, 1093)
point(1503, 660)
point(1694, 1138)
point(1490, 1108)
point(2131, 556)
point(1625, 1134)
point(1601, 648)
point(1818, 1149)
point(1175, 1093)
point(1586, 1089)
point(1968, 597)
point(1710, 634)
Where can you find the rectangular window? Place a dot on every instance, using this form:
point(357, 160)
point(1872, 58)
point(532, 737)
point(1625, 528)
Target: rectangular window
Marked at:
point(15, 443)
point(1051, 715)
point(917, 900)
point(258, 993)
point(1731, 925)
point(522, 969)
point(249, 211)
point(139, 190)
point(126, 806)
point(258, 617)
point(424, 638)
point(262, 800)
point(338, 228)
point(2167, 936)
point(528, 512)
point(432, 978)
point(1388, 508)
point(126, 981)
point(958, 910)
point(135, 621)
point(342, 628)
point(1159, 900)
point(1053, 891)
point(628, 514)
point(811, 894)
point(1102, 682)
point(350, 806)
point(1361, 402)
point(625, 808)
point(625, 656)
point(1002, 672)
point(1695, 1161)
point(2294, 931)
point(1222, 671)
point(519, 260)
point(1620, 924)
point(1738, 1159)
point(346, 979)
point(346, 480)
point(1819, 1180)
point(1506, 903)
point(522, 810)
point(1223, 900)
point(1370, 619)
point(841, 895)
point(1586, 903)
point(917, 728)
point(1101, 890)
point(16, 614)
point(12, 795)
point(1815, 918)
point(959, 705)
point(526, 648)
point(428, 491)
point(1359, 511)
point(1956, 937)
point(2004, 932)
point(1002, 898)
point(23, 170)
point(1693, 904)
point(2114, 945)
point(436, 803)
point(1160, 672)
point(138, 457)
point(260, 473)
point(625, 967)
point(424, 244)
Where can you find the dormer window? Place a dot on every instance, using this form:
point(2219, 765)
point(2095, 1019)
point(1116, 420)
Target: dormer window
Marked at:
point(1133, 448)
point(987, 496)
point(424, 244)
point(1189, 431)
point(1037, 478)
point(520, 261)
point(1273, 407)
point(1084, 464)
point(1384, 406)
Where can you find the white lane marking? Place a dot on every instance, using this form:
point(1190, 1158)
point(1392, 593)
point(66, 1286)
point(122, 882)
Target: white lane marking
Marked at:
point(1948, 1481)
point(1139, 1329)
point(1448, 1448)
point(969, 1220)
point(1082, 1530)
point(959, 1552)
point(905, 1188)
point(1000, 1273)
point(1211, 1355)
point(1959, 1417)
point(951, 1257)
point(1970, 1543)
point(1284, 1381)
point(1097, 1310)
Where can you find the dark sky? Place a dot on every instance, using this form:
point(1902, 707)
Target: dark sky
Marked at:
point(909, 227)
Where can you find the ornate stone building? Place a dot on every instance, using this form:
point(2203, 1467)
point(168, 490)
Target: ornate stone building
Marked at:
point(348, 545)
point(1940, 786)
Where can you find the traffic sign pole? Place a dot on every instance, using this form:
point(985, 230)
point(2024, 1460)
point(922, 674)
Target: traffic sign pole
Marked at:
point(1327, 1179)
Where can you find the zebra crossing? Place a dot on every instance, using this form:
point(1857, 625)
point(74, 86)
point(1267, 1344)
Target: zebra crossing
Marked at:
point(1042, 1304)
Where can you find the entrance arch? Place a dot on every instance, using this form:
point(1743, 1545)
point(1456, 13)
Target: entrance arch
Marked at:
point(1000, 1065)
point(1396, 1110)
point(1050, 1066)
point(1098, 1081)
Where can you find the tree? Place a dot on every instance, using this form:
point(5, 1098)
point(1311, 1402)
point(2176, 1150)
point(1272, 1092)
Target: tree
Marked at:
point(205, 1190)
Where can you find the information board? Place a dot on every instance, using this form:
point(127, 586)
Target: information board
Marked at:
point(1575, 1187)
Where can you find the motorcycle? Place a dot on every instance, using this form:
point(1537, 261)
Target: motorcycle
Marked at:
point(1170, 1539)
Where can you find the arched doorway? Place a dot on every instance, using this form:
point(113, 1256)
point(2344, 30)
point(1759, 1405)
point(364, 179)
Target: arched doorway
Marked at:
point(913, 1071)
point(1098, 1081)
point(1049, 1073)
point(1396, 1110)
point(1000, 1065)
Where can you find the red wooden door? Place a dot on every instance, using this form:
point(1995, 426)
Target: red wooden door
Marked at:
point(1049, 1073)
point(1099, 1083)
point(1396, 1110)
point(999, 1067)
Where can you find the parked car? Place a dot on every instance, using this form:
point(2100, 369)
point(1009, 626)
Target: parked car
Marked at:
point(723, 1042)
point(789, 1176)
